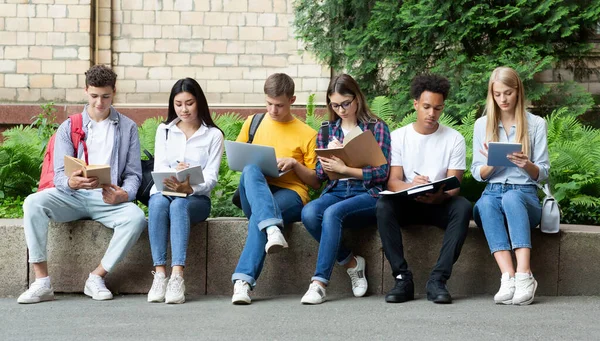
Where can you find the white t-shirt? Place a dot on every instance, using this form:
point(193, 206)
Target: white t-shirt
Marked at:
point(429, 155)
point(100, 141)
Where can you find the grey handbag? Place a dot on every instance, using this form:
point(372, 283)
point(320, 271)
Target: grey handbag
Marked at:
point(550, 211)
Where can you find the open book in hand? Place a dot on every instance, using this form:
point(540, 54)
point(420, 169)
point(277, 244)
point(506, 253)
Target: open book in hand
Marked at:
point(102, 172)
point(449, 182)
point(360, 150)
point(195, 173)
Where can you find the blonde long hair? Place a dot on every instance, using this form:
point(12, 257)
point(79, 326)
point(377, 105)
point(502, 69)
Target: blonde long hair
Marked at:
point(510, 78)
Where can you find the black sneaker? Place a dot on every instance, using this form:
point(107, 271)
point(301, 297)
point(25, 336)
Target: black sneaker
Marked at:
point(403, 291)
point(437, 291)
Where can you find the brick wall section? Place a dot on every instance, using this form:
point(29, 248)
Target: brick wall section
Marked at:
point(44, 48)
point(228, 46)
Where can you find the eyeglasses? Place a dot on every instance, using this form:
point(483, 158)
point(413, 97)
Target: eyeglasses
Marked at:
point(344, 105)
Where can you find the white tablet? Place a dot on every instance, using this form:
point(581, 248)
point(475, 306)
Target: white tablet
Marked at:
point(497, 152)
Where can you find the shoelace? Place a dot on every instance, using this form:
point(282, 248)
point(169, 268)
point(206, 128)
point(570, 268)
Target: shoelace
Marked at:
point(240, 287)
point(175, 284)
point(99, 283)
point(355, 279)
point(159, 283)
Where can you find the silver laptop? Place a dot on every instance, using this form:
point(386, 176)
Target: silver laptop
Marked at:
point(240, 154)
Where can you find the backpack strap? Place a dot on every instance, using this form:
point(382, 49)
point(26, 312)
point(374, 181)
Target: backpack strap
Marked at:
point(256, 119)
point(78, 135)
point(371, 125)
point(324, 131)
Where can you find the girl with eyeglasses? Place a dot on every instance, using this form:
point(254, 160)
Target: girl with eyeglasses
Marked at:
point(349, 201)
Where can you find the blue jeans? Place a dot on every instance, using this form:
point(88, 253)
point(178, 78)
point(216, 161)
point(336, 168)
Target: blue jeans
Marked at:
point(176, 214)
point(518, 205)
point(264, 206)
point(346, 203)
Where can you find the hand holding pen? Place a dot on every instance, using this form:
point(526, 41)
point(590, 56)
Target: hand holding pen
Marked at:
point(181, 165)
point(420, 179)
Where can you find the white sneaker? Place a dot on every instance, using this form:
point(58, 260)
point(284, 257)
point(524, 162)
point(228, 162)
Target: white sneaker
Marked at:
point(175, 290)
point(525, 286)
point(241, 293)
point(275, 241)
point(357, 276)
point(37, 292)
point(96, 289)
point(159, 287)
point(316, 294)
point(507, 290)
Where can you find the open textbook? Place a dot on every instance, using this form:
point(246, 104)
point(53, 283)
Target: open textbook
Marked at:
point(195, 173)
point(360, 150)
point(449, 182)
point(102, 172)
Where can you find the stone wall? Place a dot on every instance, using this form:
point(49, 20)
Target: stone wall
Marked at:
point(229, 46)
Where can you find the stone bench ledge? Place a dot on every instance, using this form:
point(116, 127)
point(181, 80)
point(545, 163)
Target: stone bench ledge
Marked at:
point(564, 264)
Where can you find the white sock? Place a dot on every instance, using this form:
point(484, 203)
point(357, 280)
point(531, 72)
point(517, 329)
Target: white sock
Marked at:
point(45, 281)
point(272, 228)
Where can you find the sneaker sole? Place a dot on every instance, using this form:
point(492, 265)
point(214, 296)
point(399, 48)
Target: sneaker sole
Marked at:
point(399, 299)
point(36, 300)
point(241, 302)
point(89, 293)
point(506, 302)
point(157, 300)
point(179, 301)
point(312, 303)
point(439, 300)
point(529, 301)
point(275, 248)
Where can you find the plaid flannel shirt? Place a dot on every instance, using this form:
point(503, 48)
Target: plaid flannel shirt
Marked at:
point(374, 178)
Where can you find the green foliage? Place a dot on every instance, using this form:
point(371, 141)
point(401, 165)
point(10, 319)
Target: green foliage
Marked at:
point(575, 166)
point(11, 207)
point(231, 124)
point(45, 122)
point(385, 43)
point(20, 161)
point(147, 134)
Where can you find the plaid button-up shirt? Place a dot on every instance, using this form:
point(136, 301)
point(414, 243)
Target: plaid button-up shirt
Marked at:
point(374, 178)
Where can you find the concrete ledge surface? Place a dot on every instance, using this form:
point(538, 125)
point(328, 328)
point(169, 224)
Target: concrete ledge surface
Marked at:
point(563, 264)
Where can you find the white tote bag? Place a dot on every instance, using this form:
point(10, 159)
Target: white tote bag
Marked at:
point(550, 211)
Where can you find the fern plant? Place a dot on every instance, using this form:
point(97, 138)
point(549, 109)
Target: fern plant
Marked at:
point(20, 161)
point(147, 134)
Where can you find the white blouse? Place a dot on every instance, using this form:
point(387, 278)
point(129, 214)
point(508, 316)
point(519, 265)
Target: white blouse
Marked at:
point(204, 148)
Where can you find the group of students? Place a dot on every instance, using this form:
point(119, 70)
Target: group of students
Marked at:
point(417, 154)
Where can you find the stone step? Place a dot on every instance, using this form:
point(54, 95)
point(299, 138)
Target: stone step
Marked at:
point(563, 264)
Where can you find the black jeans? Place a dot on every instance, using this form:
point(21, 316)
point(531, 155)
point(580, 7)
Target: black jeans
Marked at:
point(453, 215)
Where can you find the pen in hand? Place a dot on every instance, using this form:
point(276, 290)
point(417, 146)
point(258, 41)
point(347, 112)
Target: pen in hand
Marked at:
point(420, 175)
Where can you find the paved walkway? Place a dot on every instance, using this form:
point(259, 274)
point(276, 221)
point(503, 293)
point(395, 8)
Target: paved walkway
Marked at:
point(74, 317)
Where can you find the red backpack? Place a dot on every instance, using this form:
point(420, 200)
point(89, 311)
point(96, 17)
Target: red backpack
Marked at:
point(77, 135)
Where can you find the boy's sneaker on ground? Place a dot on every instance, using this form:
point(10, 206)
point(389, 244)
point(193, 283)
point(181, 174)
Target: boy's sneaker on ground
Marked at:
point(275, 241)
point(358, 278)
point(525, 286)
point(37, 292)
point(175, 290)
point(507, 290)
point(96, 289)
point(241, 293)
point(316, 294)
point(403, 290)
point(159, 287)
point(438, 292)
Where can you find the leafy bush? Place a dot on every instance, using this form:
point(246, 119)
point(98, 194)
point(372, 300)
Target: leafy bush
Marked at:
point(385, 43)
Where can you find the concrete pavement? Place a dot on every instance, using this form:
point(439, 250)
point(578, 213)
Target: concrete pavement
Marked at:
point(130, 317)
